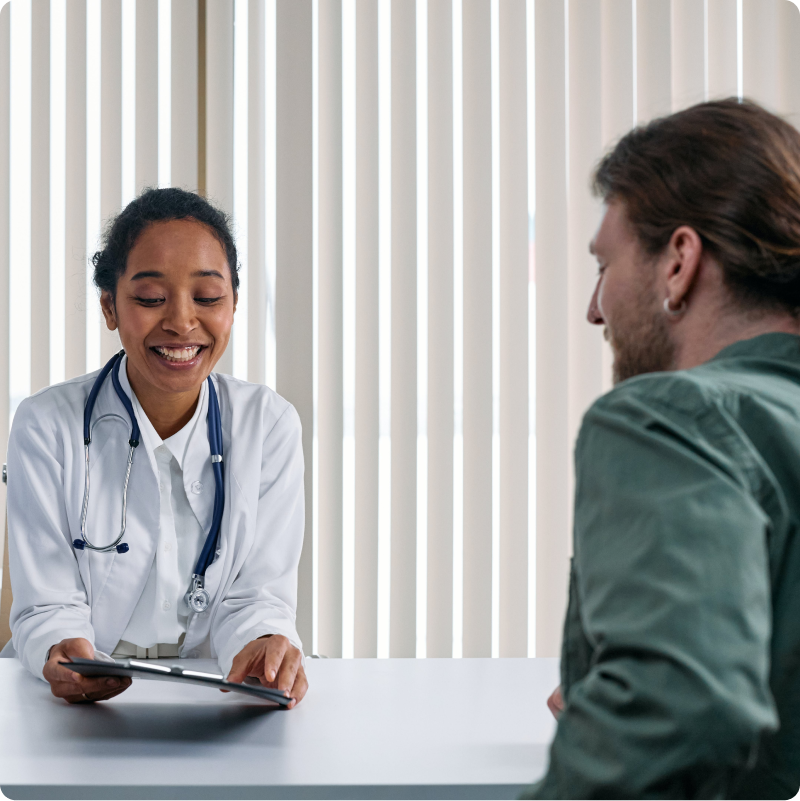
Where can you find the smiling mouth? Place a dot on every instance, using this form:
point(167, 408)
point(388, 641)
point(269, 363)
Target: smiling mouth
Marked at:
point(178, 354)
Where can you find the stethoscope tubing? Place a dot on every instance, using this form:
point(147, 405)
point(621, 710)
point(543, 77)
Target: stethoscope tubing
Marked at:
point(214, 422)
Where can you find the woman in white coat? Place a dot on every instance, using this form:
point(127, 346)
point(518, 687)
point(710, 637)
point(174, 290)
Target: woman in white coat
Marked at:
point(168, 282)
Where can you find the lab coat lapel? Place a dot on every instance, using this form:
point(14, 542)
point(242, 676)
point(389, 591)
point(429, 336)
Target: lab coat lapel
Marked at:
point(118, 579)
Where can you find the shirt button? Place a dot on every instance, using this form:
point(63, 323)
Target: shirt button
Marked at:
point(167, 546)
point(197, 487)
point(166, 606)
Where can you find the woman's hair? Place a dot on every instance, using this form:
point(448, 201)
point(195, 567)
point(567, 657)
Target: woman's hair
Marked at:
point(731, 171)
point(152, 206)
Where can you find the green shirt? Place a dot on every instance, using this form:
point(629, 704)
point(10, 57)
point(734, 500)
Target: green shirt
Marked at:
point(681, 654)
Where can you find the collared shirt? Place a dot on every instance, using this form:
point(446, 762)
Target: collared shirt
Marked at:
point(161, 614)
point(681, 650)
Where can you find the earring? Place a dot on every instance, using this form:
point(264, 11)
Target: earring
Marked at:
point(674, 312)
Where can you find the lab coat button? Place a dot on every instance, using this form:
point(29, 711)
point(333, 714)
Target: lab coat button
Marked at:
point(166, 606)
point(197, 487)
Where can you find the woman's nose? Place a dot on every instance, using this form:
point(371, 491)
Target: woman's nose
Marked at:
point(179, 317)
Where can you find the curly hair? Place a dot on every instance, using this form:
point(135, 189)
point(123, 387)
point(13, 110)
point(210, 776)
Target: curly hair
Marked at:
point(152, 206)
point(730, 170)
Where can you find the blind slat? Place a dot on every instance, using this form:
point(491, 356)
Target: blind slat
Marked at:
point(759, 52)
point(513, 330)
point(721, 43)
point(219, 121)
point(440, 330)
point(40, 195)
point(653, 59)
point(75, 251)
point(789, 61)
point(688, 53)
point(256, 191)
point(402, 637)
point(183, 122)
point(294, 225)
point(477, 84)
point(552, 395)
point(147, 93)
point(5, 207)
point(110, 136)
point(330, 386)
point(366, 355)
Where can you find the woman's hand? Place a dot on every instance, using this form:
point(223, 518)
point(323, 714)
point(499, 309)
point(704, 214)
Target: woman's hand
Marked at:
point(73, 687)
point(555, 703)
point(275, 662)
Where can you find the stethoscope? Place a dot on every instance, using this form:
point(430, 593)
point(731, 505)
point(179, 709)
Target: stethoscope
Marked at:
point(197, 596)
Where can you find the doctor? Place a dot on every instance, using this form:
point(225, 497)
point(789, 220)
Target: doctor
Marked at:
point(101, 565)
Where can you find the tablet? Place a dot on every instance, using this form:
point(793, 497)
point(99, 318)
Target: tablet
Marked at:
point(139, 669)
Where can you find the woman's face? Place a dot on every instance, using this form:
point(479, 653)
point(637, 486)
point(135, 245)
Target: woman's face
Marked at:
point(174, 307)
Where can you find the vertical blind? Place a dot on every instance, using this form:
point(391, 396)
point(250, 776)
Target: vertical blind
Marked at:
point(408, 181)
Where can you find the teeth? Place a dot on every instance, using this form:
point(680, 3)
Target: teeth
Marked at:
point(178, 354)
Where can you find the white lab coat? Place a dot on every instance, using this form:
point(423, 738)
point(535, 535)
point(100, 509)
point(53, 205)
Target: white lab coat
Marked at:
point(61, 592)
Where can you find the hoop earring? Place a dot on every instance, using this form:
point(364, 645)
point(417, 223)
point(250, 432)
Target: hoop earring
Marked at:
point(674, 312)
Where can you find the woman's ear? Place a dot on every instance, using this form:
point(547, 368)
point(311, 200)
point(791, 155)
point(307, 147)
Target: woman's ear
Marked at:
point(109, 310)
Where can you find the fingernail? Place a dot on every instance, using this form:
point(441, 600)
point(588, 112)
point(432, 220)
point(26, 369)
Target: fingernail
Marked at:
point(112, 682)
point(272, 675)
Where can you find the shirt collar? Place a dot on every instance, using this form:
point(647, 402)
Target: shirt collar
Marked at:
point(776, 345)
point(178, 442)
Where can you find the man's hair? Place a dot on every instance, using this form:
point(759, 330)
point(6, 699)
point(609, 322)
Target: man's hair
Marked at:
point(731, 171)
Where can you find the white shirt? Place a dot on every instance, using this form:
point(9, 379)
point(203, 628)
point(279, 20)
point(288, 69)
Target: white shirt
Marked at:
point(62, 592)
point(161, 614)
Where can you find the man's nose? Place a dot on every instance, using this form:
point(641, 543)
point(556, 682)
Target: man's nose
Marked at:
point(593, 314)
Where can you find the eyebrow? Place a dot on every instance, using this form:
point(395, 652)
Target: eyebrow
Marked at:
point(158, 274)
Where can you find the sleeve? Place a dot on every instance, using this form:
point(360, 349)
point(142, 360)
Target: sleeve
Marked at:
point(263, 597)
point(672, 590)
point(50, 601)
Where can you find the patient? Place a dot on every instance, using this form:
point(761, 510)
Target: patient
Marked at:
point(681, 658)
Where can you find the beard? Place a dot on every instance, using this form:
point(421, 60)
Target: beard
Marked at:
point(640, 340)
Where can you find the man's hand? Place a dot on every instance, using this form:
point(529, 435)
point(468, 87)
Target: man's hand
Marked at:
point(275, 662)
point(555, 703)
point(71, 686)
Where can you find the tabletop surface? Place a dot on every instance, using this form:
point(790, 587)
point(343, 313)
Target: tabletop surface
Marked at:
point(378, 728)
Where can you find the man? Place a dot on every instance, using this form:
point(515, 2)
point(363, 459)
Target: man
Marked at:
point(681, 657)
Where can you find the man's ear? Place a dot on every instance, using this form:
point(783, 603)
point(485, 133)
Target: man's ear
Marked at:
point(684, 257)
point(109, 310)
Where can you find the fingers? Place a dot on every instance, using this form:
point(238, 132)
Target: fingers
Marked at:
point(104, 694)
point(300, 687)
point(243, 662)
point(288, 669)
point(555, 703)
point(78, 647)
point(71, 686)
point(274, 653)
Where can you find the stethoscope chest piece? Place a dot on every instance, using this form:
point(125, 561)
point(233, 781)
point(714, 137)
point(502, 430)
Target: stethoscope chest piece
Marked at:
point(198, 598)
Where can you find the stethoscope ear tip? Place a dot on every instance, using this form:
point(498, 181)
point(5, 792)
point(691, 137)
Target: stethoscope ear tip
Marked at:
point(122, 547)
point(78, 545)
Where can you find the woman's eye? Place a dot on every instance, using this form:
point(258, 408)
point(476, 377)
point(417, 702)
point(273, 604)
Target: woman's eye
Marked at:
point(149, 301)
point(208, 301)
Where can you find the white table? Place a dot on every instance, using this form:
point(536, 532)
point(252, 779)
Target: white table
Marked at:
point(368, 728)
